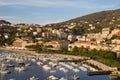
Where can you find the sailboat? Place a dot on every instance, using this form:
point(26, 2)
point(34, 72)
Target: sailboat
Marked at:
point(75, 77)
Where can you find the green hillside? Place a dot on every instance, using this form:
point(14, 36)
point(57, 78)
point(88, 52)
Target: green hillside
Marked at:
point(99, 20)
point(4, 22)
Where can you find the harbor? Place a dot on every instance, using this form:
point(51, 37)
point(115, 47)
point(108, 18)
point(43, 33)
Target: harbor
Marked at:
point(16, 66)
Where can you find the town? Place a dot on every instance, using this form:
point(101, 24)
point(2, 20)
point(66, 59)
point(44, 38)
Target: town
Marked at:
point(56, 39)
point(59, 40)
point(50, 39)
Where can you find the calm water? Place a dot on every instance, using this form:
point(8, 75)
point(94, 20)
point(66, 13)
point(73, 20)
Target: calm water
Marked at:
point(39, 72)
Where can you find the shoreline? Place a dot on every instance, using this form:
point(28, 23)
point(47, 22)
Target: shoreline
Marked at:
point(44, 54)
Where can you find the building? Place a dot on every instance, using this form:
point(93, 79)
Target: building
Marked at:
point(118, 33)
point(79, 44)
point(105, 31)
point(115, 41)
point(57, 44)
point(39, 30)
point(46, 34)
point(88, 45)
point(118, 55)
point(21, 44)
point(71, 37)
point(61, 34)
point(114, 32)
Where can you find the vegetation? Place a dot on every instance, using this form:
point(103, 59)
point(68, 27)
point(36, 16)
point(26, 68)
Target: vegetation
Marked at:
point(40, 48)
point(4, 22)
point(105, 19)
point(37, 47)
point(115, 37)
point(104, 56)
point(118, 78)
point(7, 35)
point(108, 41)
point(49, 46)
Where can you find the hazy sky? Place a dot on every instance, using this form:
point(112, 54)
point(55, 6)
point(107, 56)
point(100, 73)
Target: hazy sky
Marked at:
point(50, 11)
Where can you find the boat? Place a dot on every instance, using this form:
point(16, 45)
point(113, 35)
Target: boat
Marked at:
point(46, 67)
point(28, 64)
point(64, 70)
point(83, 68)
point(4, 65)
point(10, 65)
point(52, 77)
point(21, 63)
point(75, 77)
point(52, 64)
point(20, 69)
point(33, 78)
point(4, 71)
point(62, 78)
point(76, 70)
point(52, 71)
point(39, 63)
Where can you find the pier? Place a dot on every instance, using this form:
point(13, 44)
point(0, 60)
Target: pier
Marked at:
point(105, 69)
point(100, 72)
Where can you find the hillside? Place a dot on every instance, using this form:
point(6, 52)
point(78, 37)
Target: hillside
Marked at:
point(4, 22)
point(92, 22)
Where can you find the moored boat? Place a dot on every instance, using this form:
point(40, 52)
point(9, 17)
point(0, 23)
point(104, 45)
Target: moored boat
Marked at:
point(4, 71)
point(52, 77)
point(33, 78)
point(20, 69)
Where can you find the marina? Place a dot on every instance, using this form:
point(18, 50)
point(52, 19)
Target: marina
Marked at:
point(14, 66)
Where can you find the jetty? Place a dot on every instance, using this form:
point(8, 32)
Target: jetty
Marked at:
point(100, 72)
point(104, 68)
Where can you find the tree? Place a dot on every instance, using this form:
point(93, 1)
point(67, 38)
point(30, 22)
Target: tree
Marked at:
point(8, 31)
point(38, 48)
point(75, 49)
point(63, 49)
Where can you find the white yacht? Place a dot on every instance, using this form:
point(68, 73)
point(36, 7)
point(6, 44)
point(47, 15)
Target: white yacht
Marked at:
point(83, 68)
point(4, 71)
point(52, 77)
point(20, 69)
point(52, 71)
point(39, 63)
point(62, 78)
point(12, 79)
point(46, 67)
point(64, 70)
point(28, 64)
point(76, 70)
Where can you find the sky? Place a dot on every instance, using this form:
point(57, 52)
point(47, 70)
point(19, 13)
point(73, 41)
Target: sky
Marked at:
point(51, 11)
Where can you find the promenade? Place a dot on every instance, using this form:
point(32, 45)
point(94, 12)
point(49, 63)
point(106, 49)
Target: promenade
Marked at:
point(45, 54)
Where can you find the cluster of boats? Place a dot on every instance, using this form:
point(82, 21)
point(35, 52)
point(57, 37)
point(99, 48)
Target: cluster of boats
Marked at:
point(74, 77)
point(48, 63)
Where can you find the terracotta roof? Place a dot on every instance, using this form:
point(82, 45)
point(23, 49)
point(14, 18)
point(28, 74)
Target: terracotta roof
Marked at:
point(55, 41)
